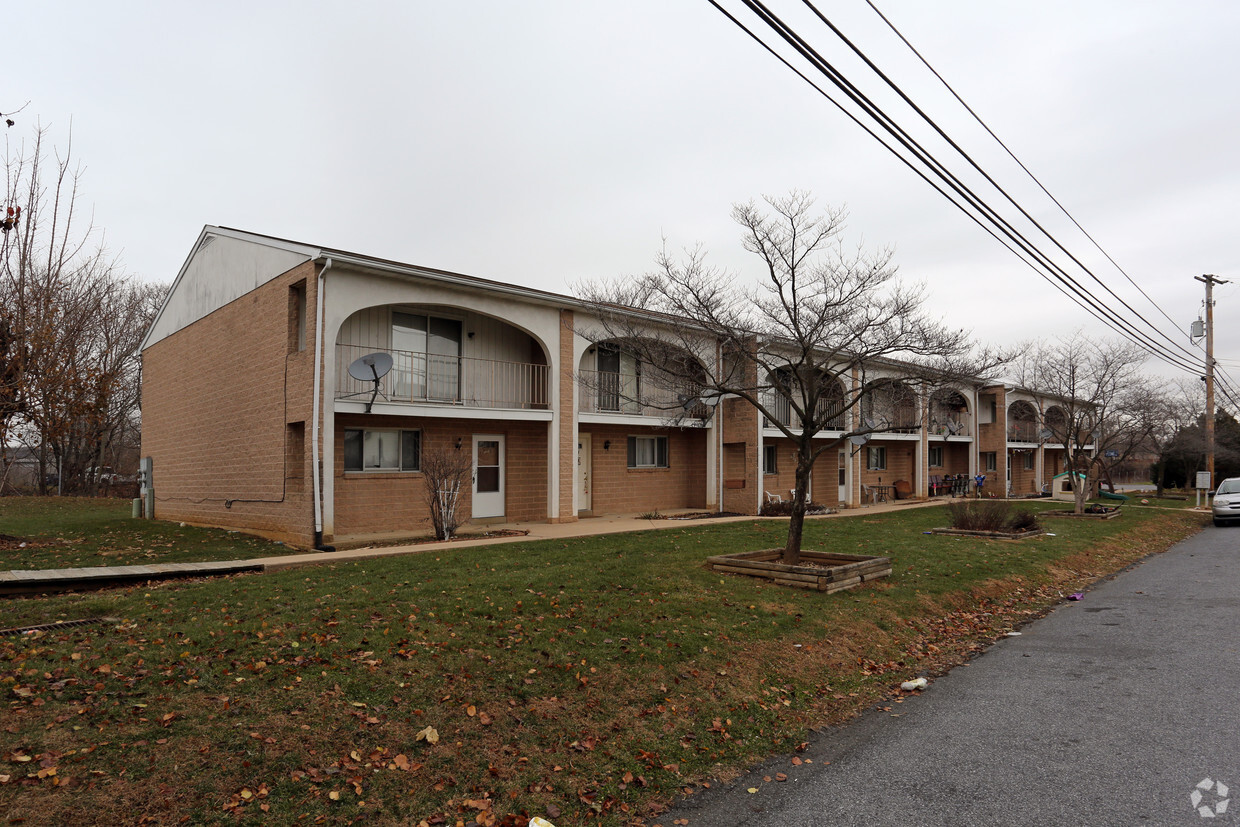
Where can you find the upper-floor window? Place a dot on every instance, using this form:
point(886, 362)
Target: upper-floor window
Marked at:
point(426, 355)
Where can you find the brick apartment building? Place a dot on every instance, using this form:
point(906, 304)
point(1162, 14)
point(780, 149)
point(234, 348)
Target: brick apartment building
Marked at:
point(234, 364)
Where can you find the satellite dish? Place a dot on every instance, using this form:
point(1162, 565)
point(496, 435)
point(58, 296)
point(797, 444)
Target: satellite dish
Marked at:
point(859, 439)
point(371, 368)
point(954, 428)
point(1045, 434)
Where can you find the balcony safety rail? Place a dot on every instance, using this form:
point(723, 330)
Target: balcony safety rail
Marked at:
point(1023, 431)
point(448, 380)
point(950, 426)
point(781, 407)
point(625, 393)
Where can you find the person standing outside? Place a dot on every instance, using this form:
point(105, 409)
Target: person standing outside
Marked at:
point(979, 480)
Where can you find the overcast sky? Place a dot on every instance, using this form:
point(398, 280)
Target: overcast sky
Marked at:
point(548, 141)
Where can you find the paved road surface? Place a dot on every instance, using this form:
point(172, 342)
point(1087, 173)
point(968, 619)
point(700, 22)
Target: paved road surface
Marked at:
point(1107, 712)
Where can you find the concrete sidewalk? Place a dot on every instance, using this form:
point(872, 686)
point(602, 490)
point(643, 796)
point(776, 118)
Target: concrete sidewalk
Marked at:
point(37, 581)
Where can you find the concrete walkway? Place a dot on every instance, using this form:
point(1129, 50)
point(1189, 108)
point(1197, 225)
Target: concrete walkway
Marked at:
point(37, 581)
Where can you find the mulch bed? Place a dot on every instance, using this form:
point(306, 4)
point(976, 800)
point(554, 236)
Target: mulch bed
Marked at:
point(699, 515)
point(459, 538)
point(993, 535)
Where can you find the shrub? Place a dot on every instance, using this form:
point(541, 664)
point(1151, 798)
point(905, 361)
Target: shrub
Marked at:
point(990, 515)
point(784, 509)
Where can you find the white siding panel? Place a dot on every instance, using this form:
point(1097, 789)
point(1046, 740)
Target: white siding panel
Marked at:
point(220, 271)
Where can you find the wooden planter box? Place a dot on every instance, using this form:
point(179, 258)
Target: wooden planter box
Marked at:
point(992, 535)
point(818, 570)
point(1110, 515)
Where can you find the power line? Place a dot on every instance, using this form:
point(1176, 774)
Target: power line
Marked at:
point(1020, 163)
point(954, 145)
point(1098, 311)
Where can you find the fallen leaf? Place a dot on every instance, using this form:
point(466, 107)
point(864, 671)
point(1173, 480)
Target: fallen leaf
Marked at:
point(430, 735)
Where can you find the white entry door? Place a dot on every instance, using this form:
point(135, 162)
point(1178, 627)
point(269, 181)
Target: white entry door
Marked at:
point(488, 475)
point(843, 472)
point(584, 483)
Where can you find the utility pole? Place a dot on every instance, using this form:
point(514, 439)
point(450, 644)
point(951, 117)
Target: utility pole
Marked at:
point(1209, 282)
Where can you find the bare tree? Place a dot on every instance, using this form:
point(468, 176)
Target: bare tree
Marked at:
point(72, 321)
point(801, 346)
point(446, 474)
point(1106, 403)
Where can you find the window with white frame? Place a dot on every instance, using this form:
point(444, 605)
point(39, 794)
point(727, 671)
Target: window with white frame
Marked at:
point(991, 460)
point(648, 452)
point(372, 449)
point(1028, 461)
point(876, 459)
point(770, 459)
point(936, 456)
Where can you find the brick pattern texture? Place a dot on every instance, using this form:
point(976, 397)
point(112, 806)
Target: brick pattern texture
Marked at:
point(377, 501)
point(619, 489)
point(824, 478)
point(217, 398)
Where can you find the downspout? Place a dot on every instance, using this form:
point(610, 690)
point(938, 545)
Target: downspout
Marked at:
point(318, 389)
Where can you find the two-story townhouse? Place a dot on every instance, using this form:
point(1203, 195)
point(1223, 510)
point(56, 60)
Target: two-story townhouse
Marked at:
point(263, 409)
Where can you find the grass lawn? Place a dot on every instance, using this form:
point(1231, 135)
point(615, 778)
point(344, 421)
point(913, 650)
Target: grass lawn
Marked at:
point(63, 532)
point(586, 680)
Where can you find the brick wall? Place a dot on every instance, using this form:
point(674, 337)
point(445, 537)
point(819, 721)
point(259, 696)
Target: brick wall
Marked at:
point(619, 489)
point(741, 462)
point(373, 501)
point(992, 437)
point(1024, 481)
point(217, 399)
point(901, 462)
point(824, 480)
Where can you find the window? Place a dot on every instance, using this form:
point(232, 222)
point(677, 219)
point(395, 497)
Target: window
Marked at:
point(294, 456)
point(297, 317)
point(1028, 465)
point(876, 459)
point(648, 452)
point(770, 456)
point(374, 450)
point(991, 459)
point(427, 357)
point(936, 456)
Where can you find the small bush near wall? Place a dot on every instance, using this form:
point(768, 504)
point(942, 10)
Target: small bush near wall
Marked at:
point(991, 515)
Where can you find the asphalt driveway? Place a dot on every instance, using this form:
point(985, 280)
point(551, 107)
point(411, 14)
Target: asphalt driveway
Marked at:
point(1109, 711)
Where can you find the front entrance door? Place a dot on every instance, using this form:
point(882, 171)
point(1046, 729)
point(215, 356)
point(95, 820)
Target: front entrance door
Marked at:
point(584, 482)
point(843, 471)
point(488, 475)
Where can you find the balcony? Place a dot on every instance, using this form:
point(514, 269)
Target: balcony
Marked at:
point(781, 407)
point(959, 425)
point(608, 392)
point(420, 378)
point(1023, 431)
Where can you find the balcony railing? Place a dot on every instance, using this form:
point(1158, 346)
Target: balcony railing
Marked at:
point(625, 393)
point(1023, 431)
point(950, 426)
point(449, 380)
point(781, 407)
